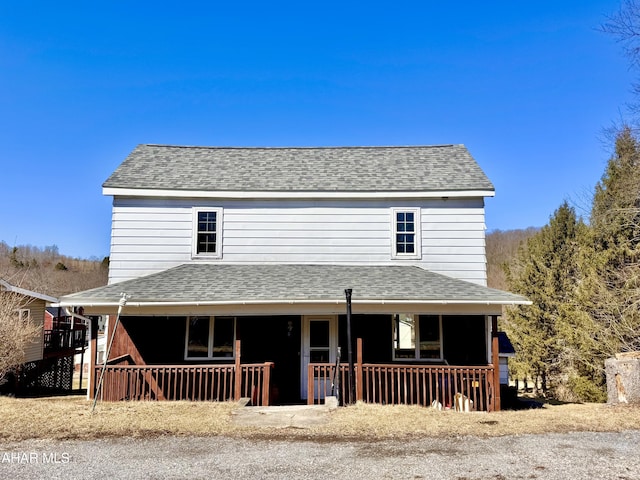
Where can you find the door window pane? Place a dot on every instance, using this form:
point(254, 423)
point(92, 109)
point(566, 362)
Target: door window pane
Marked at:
point(318, 333)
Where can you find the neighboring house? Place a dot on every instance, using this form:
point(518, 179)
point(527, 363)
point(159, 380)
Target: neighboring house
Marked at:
point(33, 308)
point(48, 360)
point(234, 264)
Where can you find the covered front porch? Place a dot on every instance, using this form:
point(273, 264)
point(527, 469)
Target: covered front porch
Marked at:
point(463, 388)
point(424, 338)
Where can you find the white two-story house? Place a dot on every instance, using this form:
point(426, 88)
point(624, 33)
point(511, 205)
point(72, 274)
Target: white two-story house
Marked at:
point(234, 264)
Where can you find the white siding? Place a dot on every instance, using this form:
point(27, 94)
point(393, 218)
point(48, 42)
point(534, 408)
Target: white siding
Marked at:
point(151, 235)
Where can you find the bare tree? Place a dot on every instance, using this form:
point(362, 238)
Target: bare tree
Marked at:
point(17, 331)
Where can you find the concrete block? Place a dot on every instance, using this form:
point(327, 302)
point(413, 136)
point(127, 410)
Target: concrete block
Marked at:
point(623, 379)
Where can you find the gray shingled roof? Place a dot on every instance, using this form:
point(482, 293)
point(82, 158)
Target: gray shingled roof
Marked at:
point(326, 169)
point(211, 283)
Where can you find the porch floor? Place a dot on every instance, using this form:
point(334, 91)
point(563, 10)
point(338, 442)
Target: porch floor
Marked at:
point(286, 416)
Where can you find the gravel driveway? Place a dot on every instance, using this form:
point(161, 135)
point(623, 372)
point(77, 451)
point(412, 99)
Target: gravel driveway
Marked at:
point(551, 456)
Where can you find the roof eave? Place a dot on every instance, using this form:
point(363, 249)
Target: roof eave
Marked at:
point(171, 193)
point(115, 303)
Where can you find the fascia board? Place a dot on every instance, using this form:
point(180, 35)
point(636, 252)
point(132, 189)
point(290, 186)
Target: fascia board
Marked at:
point(143, 192)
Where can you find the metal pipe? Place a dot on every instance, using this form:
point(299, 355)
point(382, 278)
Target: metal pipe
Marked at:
point(351, 397)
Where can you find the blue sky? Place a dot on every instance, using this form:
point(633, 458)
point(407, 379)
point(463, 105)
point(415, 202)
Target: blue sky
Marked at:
point(527, 86)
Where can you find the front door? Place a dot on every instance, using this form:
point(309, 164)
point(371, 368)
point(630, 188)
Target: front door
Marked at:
point(319, 344)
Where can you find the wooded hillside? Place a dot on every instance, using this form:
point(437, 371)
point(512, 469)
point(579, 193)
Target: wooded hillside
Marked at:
point(45, 270)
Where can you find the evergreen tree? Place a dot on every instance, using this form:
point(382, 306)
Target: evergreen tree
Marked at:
point(611, 282)
point(545, 271)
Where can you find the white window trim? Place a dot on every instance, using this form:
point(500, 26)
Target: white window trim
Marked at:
point(24, 313)
point(416, 355)
point(210, 342)
point(417, 255)
point(194, 240)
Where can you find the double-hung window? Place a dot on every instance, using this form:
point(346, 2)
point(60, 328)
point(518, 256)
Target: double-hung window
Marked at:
point(207, 232)
point(210, 338)
point(417, 337)
point(406, 232)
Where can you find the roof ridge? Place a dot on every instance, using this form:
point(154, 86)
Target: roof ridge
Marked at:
point(326, 147)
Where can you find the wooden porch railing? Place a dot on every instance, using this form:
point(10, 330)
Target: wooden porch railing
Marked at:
point(62, 339)
point(123, 380)
point(472, 388)
point(185, 382)
point(444, 386)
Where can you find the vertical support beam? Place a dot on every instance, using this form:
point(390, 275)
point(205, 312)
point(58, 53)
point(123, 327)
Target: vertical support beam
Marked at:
point(238, 374)
point(93, 356)
point(359, 372)
point(311, 394)
point(495, 360)
point(266, 384)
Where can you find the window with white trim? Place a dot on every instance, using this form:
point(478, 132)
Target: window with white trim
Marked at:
point(24, 314)
point(207, 232)
point(417, 337)
point(210, 338)
point(406, 232)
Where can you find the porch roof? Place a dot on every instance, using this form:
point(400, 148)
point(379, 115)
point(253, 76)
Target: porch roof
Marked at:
point(218, 284)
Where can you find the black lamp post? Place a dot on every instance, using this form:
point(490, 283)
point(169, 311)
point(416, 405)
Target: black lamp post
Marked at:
point(351, 396)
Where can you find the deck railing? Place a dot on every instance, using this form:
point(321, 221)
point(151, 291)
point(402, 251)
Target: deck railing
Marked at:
point(186, 382)
point(62, 339)
point(466, 388)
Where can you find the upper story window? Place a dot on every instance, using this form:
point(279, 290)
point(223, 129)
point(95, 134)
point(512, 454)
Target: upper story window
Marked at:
point(207, 232)
point(210, 338)
point(417, 337)
point(406, 232)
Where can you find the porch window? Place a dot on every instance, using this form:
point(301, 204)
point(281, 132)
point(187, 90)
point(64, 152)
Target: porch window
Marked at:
point(210, 338)
point(207, 232)
point(406, 232)
point(417, 337)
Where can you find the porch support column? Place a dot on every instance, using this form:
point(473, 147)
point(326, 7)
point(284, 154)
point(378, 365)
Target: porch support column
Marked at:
point(495, 360)
point(238, 373)
point(359, 373)
point(93, 356)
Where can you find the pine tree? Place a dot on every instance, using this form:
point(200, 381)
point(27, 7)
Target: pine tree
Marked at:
point(545, 272)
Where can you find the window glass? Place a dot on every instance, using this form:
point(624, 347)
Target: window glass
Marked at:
point(404, 336)
point(416, 337)
point(405, 232)
point(223, 329)
point(198, 340)
point(207, 232)
point(318, 333)
point(429, 336)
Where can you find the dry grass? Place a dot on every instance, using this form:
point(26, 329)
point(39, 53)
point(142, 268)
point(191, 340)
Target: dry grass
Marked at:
point(71, 418)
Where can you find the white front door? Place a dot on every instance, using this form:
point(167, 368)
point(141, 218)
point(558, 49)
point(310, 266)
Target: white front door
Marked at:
point(319, 344)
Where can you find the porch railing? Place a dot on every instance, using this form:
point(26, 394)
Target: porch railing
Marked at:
point(467, 388)
point(62, 339)
point(186, 382)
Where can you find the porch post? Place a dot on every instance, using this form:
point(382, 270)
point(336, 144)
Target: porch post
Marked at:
point(93, 355)
point(238, 373)
point(359, 373)
point(495, 360)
